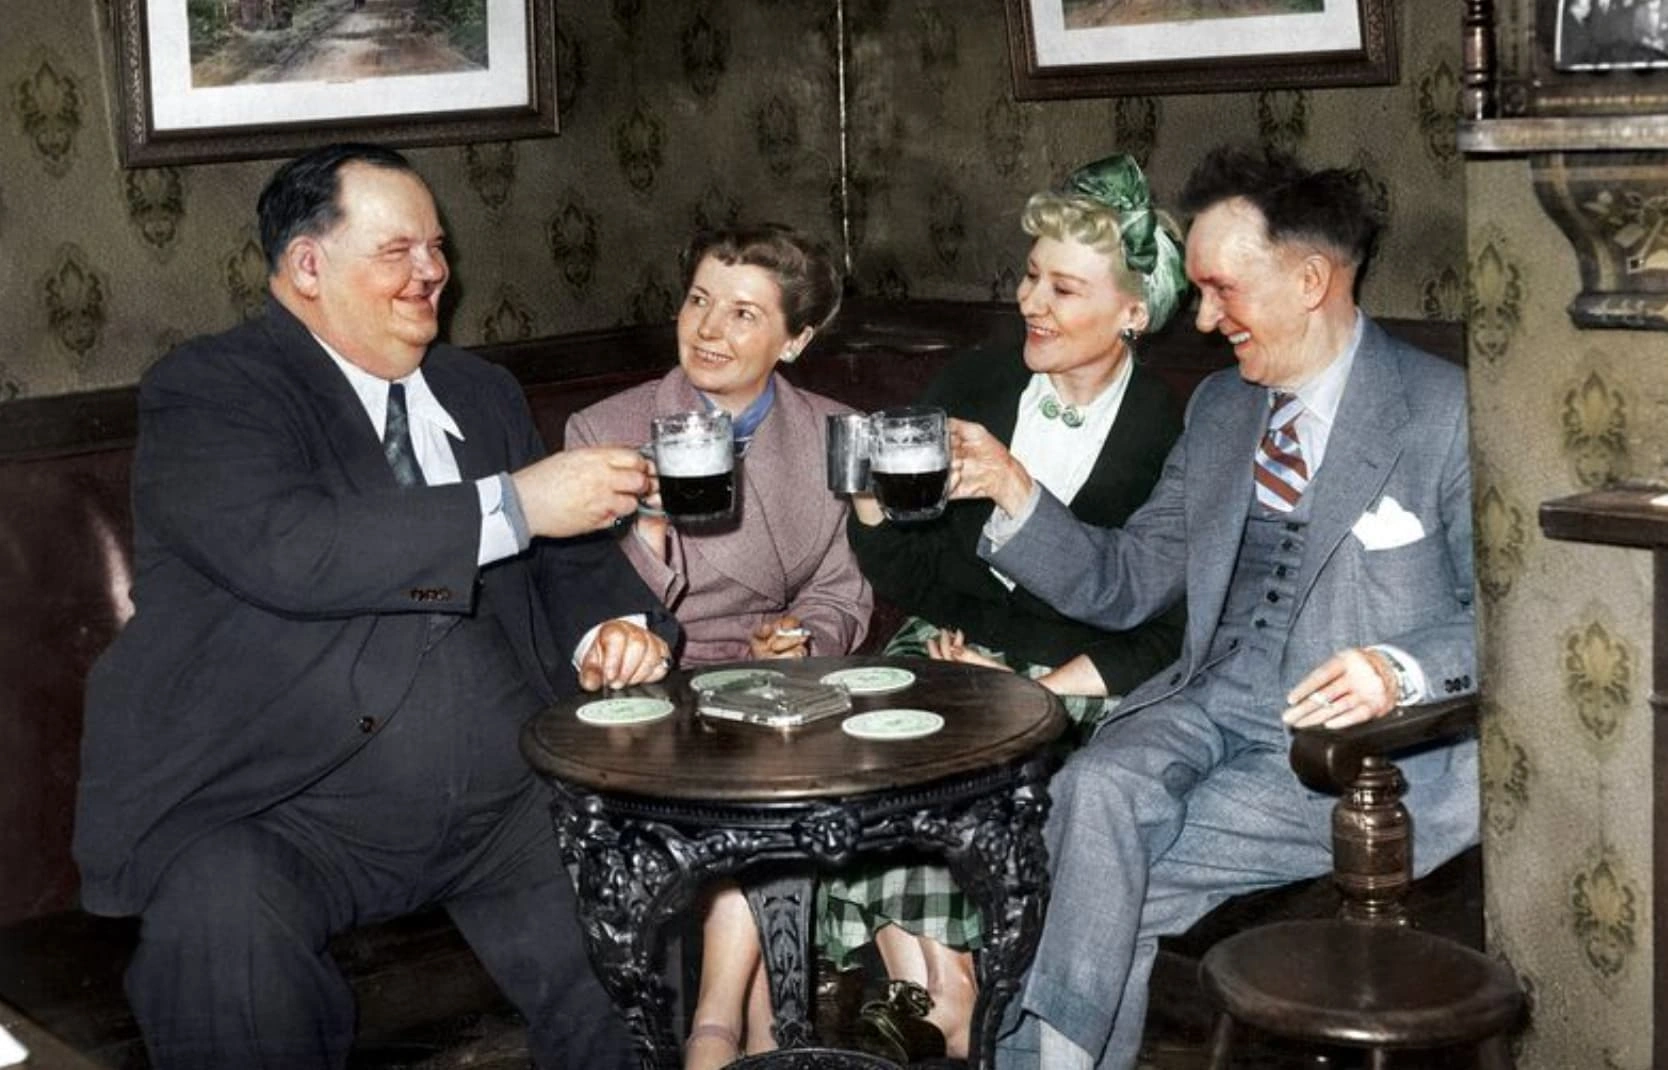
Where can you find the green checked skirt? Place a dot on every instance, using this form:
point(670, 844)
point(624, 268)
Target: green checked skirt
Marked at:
point(922, 898)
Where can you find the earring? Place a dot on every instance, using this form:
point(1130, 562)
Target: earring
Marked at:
point(1130, 336)
point(790, 355)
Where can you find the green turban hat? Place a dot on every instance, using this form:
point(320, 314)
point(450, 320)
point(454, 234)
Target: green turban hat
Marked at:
point(1149, 249)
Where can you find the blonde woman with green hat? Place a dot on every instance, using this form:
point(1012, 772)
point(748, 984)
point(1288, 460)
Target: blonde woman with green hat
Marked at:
point(1073, 406)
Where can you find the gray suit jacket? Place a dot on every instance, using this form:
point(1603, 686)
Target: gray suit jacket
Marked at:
point(1399, 445)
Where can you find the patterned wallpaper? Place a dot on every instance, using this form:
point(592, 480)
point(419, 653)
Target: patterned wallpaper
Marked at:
point(680, 113)
point(1566, 631)
point(675, 114)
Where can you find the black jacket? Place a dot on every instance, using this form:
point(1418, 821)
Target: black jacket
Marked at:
point(933, 570)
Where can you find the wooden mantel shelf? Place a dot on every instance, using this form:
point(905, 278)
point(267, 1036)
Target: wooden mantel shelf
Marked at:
point(1564, 133)
point(1623, 515)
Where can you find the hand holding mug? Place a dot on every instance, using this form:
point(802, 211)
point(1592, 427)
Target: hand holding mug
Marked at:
point(581, 490)
point(982, 467)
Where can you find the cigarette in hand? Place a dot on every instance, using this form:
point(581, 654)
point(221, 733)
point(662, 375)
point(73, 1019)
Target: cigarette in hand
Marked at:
point(793, 633)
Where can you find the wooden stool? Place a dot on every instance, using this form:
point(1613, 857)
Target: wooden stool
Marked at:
point(1352, 984)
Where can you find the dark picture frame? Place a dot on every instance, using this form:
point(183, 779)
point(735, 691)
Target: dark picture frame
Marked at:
point(1591, 35)
point(513, 96)
point(1098, 67)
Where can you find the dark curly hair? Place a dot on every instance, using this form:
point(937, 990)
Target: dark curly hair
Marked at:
point(302, 197)
point(1326, 208)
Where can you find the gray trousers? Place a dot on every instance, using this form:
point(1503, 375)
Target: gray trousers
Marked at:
point(1161, 817)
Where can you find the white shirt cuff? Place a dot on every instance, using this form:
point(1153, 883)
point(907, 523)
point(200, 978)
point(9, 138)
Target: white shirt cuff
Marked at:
point(1001, 527)
point(503, 530)
point(1410, 672)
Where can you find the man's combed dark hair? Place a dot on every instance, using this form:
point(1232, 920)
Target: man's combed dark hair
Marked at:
point(301, 197)
point(1326, 208)
point(802, 268)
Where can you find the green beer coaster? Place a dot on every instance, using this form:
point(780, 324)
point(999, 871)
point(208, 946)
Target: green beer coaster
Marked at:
point(892, 725)
point(871, 680)
point(625, 710)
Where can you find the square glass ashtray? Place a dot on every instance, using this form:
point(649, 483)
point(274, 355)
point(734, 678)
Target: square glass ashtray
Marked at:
point(780, 702)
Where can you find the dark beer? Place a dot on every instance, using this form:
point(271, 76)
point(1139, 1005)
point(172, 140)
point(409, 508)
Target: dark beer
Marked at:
point(697, 497)
point(695, 462)
point(909, 462)
point(910, 495)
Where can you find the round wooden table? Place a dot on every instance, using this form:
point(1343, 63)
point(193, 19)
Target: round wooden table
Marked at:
point(647, 814)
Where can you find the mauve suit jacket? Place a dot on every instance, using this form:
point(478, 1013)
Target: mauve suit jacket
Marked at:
point(788, 554)
point(1399, 444)
point(284, 584)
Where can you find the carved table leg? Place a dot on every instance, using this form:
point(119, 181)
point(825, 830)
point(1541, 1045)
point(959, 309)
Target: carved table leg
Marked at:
point(1002, 863)
point(627, 887)
point(782, 900)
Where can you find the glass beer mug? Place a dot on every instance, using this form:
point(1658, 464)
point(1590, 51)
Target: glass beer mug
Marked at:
point(694, 456)
point(909, 462)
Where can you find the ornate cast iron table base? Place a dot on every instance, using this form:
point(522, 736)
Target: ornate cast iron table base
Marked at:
point(641, 862)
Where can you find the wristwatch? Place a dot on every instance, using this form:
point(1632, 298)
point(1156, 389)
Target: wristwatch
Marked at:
point(1404, 678)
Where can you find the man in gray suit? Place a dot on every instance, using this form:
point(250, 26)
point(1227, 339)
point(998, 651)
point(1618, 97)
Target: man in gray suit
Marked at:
point(1316, 517)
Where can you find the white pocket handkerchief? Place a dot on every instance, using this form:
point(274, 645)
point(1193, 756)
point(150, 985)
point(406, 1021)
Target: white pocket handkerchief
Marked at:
point(11, 1052)
point(1388, 526)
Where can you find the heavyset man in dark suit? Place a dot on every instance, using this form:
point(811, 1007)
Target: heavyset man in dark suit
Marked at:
point(357, 574)
point(1315, 516)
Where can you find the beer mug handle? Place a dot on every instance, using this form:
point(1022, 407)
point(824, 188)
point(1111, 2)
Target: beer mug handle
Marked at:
point(646, 451)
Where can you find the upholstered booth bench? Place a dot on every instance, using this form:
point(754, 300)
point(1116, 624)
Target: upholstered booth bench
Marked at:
point(65, 569)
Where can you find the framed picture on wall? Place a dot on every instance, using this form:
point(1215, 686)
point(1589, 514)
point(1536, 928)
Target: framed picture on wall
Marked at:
point(1099, 48)
point(205, 80)
point(1601, 35)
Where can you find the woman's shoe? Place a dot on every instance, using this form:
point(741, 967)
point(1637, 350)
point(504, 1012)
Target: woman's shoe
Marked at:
point(896, 1027)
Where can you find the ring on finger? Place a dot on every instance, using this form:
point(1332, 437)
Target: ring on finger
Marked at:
point(1324, 703)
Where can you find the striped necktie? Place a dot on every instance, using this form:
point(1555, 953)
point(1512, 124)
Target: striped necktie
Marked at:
point(396, 440)
point(1281, 472)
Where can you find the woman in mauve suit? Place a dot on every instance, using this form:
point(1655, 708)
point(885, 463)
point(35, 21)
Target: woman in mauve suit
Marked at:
point(780, 582)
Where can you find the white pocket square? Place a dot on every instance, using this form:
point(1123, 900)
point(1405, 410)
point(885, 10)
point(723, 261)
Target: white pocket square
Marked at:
point(1388, 526)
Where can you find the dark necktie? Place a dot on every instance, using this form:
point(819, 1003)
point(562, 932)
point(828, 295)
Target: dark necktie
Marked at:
point(1281, 472)
point(396, 440)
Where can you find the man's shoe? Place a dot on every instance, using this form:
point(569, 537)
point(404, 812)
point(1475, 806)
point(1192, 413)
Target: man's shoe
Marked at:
point(896, 1027)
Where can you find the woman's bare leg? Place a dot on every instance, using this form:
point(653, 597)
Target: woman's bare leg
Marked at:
point(901, 951)
point(729, 959)
point(953, 987)
point(947, 975)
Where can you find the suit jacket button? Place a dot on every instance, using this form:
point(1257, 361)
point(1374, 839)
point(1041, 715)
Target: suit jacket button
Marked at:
point(367, 725)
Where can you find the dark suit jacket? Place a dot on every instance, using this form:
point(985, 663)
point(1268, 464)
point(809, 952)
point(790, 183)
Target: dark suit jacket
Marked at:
point(934, 571)
point(283, 587)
